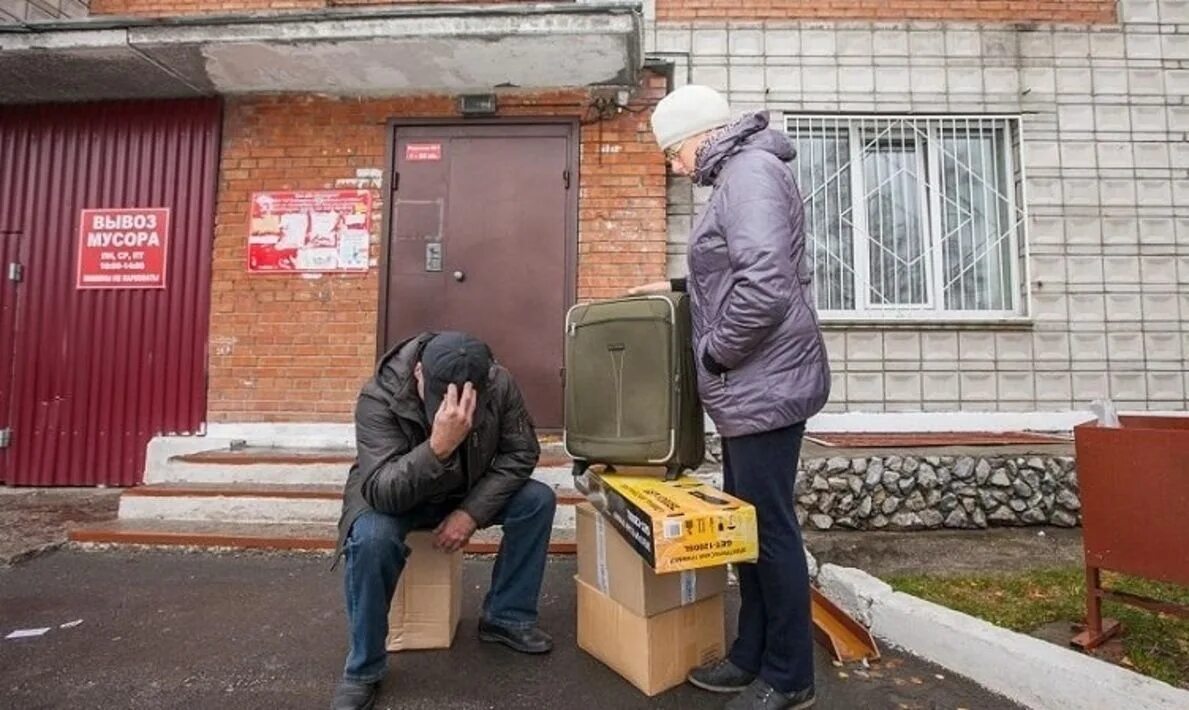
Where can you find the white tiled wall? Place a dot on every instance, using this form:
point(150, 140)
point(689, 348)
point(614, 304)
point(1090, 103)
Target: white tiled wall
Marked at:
point(1106, 121)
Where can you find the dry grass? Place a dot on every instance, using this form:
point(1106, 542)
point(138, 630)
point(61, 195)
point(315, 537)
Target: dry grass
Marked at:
point(1154, 644)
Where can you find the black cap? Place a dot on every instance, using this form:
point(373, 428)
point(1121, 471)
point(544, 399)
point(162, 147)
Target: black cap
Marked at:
point(452, 358)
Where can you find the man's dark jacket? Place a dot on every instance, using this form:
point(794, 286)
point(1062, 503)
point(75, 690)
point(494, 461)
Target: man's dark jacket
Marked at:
point(395, 470)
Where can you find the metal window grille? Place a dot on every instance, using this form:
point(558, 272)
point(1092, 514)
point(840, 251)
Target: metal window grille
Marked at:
point(913, 216)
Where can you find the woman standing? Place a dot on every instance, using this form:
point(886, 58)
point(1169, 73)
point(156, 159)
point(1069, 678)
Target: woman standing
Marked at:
point(762, 372)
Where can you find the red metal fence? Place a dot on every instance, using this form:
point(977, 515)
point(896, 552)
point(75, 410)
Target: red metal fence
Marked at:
point(95, 374)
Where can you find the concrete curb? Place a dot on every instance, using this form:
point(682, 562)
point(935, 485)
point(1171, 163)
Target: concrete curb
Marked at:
point(31, 553)
point(1029, 671)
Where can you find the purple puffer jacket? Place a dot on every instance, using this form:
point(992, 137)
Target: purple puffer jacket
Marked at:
point(762, 364)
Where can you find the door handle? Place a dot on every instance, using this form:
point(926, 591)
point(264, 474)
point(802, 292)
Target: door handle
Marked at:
point(459, 276)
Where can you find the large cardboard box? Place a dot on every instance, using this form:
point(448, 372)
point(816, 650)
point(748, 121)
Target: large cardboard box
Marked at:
point(427, 604)
point(654, 654)
point(608, 563)
point(677, 525)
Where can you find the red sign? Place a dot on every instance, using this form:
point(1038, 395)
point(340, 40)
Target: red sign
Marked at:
point(423, 151)
point(312, 232)
point(123, 248)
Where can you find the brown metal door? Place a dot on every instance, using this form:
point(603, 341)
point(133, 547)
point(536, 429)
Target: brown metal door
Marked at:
point(10, 272)
point(483, 227)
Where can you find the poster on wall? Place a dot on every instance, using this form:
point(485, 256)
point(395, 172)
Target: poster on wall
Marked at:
point(323, 231)
point(123, 248)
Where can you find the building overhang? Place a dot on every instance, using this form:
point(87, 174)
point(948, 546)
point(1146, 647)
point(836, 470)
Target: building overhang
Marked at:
point(362, 51)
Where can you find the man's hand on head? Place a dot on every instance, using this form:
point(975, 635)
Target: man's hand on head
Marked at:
point(453, 533)
point(453, 421)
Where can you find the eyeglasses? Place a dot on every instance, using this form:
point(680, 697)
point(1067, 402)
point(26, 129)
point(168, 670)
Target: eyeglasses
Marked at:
point(672, 152)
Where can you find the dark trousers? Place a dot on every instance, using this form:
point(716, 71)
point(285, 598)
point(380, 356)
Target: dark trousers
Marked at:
point(376, 556)
point(775, 634)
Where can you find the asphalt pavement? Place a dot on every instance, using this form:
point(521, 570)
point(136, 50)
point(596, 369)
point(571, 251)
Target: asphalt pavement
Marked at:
point(254, 630)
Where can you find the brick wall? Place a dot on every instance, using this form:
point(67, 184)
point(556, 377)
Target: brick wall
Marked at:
point(165, 8)
point(1078, 11)
point(287, 348)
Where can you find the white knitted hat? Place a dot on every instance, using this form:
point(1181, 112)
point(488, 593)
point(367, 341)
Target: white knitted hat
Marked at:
point(687, 112)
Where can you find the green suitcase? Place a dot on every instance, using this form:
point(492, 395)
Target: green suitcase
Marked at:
point(630, 385)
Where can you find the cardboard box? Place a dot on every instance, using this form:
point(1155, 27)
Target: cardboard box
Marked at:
point(427, 604)
point(608, 563)
point(654, 654)
point(677, 525)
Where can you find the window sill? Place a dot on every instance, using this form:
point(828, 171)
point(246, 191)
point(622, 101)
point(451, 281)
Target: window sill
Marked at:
point(868, 323)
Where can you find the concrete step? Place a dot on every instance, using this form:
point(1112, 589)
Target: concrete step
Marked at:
point(262, 536)
point(282, 465)
point(233, 503)
point(190, 533)
point(264, 490)
point(263, 503)
point(273, 490)
point(551, 456)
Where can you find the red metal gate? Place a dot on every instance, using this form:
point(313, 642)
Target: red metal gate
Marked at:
point(97, 373)
point(10, 271)
point(13, 154)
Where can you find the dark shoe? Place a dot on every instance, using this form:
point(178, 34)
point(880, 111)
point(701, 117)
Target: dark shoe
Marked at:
point(355, 696)
point(761, 696)
point(721, 677)
point(528, 640)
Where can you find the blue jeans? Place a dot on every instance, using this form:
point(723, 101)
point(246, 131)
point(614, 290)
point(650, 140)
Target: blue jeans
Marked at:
point(775, 628)
point(376, 554)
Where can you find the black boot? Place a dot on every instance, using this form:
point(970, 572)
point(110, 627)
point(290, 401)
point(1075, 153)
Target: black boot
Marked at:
point(761, 696)
point(721, 677)
point(527, 640)
point(355, 696)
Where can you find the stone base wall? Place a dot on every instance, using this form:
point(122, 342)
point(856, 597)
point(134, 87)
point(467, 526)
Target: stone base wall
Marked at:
point(899, 492)
point(911, 493)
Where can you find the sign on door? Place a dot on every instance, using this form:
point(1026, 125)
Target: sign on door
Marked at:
point(123, 248)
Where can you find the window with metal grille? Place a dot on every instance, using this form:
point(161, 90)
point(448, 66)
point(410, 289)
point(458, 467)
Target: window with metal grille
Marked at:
point(913, 216)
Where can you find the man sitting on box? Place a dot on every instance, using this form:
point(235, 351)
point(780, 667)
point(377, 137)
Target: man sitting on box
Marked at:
point(444, 443)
